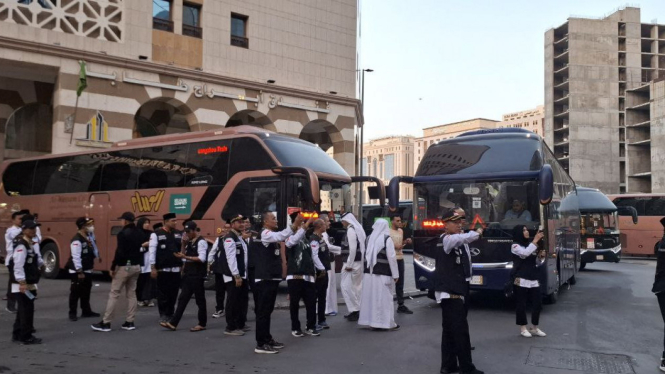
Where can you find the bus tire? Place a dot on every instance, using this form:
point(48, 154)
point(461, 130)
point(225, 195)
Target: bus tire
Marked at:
point(582, 265)
point(51, 259)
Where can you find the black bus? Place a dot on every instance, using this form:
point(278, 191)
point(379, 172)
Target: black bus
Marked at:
point(501, 178)
point(372, 212)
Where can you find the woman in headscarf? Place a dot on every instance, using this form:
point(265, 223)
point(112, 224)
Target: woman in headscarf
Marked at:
point(527, 272)
point(144, 289)
point(381, 274)
point(353, 250)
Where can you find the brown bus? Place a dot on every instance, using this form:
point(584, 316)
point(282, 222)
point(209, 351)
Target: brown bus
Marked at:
point(204, 176)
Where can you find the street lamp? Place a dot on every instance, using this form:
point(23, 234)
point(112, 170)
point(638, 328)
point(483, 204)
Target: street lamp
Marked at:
point(362, 136)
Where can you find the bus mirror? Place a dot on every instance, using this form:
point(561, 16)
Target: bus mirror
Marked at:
point(628, 211)
point(545, 184)
point(380, 190)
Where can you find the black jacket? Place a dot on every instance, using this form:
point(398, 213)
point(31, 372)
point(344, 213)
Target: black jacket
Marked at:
point(130, 240)
point(659, 281)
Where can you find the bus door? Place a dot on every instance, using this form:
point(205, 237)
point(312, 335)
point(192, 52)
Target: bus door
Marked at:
point(98, 209)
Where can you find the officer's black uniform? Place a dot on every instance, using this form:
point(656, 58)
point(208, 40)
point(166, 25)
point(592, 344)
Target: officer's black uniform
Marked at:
point(194, 273)
point(168, 282)
point(659, 282)
point(237, 297)
point(300, 265)
point(23, 325)
point(80, 288)
point(321, 283)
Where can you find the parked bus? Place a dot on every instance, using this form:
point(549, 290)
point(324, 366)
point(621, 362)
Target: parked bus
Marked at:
point(205, 176)
point(501, 178)
point(639, 238)
point(372, 212)
point(599, 227)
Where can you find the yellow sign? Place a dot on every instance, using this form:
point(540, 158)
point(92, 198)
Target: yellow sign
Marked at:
point(97, 128)
point(147, 203)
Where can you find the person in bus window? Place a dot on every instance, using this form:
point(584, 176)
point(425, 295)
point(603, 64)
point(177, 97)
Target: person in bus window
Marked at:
point(381, 274)
point(215, 266)
point(353, 250)
point(80, 265)
point(518, 212)
point(527, 272)
point(144, 287)
point(659, 284)
point(331, 297)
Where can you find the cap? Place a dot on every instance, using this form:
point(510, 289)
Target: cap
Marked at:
point(29, 225)
point(191, 226)
point(157, 226)
point(27, 217)
point(237, 217)
point(128, 216)
point(451, 215)
point(83, 221)
point(24, 211)
point(168, 216)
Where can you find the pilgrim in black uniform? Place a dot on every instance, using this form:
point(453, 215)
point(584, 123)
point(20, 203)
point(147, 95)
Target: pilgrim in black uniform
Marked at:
point(194, 273)
point(165, 242)
point(659, 284)
point(451, 270)
point(268, 263)
point(10, 234)
point(234, 269)
point(526, 286)
point(300, 280)
point(215, 266)
point(321, 257)
point(24, 276)
point(80, 265)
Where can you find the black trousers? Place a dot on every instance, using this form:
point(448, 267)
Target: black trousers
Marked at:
point(168, 284)
point(191, 285)
point(23, 324)
point(11, 303)
point(265, 293)
point(522, 295)
point(80, 290)
point(220, 291)
point(251, 277)
point(399, 287)
point(467, 298)
point(455, 339)
point(145, 288)
point(236, 305)
point(321, 293)
point(661, 304)
point(301, 289)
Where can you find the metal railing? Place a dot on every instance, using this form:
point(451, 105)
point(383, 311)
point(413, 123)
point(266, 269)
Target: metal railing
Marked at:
point(239, 41)
point(192, 31)
point(162, 24)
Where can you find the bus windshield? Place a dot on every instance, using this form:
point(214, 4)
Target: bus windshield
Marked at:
point(496, 206)
point(295, 152)
point(599, 223)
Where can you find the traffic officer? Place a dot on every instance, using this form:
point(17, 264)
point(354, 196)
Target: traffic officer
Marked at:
point(300, 279)
point(13, 231)
point(452, 268)
point(194, 273)
point(80, 265)
point(321, 256)
point(165, 266)
point(234, 266)
point(24, 276)
point(659, 283)
point(268, 262)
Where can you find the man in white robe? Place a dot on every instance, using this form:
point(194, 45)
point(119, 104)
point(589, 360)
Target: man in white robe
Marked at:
point(381, 273)
point(331, 297)
point(353, 250)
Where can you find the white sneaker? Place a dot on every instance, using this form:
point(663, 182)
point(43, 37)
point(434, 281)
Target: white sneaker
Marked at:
point(525, 334)
point(662, 364)
point(218, 314)
point(537, 332)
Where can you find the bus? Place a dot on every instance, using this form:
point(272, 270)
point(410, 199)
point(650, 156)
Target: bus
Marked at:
point(639, 238)
point(372, 212)
point(501, 178)
point(204, 176)
point(599, 227)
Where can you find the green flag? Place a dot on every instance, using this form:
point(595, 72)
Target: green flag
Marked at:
point(83, 79)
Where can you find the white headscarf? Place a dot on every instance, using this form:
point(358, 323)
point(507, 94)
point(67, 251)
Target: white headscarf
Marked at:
point(376, 241)
point(358, 228)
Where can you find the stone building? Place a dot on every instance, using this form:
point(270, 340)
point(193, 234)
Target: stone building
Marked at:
point(388, 157)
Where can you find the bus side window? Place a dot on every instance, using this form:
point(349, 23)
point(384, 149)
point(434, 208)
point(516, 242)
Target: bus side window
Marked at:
point(208, 163)
point(655, 207)
point(247, 154)
point(163, 166)
point(84, 172)
point(51, 176)
point(251, 198)
point(120, 171)
point(18, 178)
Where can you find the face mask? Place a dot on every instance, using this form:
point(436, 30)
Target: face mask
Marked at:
point(90, 229)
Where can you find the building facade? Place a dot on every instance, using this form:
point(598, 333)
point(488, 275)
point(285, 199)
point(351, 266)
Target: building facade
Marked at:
point(598, 99)
point(531, 120)
point(434, 134)
point(387, 157)
point(164, 66)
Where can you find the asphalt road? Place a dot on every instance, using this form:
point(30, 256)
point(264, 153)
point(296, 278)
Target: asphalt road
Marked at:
point(608, 323)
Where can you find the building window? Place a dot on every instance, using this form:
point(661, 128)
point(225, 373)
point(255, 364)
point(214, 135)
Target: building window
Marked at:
point(239, 30)
point(389, 166)
point(161, 15)
point(191, 20)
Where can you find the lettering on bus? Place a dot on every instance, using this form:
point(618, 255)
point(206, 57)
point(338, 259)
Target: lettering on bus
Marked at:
point(145, 204)
point(209, 150)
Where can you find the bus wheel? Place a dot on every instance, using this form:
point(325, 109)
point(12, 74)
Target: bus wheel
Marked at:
point(582, 265)
point(51, 261)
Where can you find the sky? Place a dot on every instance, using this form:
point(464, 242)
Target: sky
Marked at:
point(442, 61)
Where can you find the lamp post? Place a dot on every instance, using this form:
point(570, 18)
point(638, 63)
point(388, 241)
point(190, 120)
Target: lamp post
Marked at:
point(362, 136)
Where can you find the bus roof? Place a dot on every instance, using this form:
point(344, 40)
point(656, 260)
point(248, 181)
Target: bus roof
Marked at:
point(510, 153)
point(591, 200)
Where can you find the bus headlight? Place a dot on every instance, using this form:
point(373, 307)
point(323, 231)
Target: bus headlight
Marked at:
point(425, 262)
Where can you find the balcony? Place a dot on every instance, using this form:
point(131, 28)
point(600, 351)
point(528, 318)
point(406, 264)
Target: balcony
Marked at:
point(562, 99)
point(564, 39)
point(643, 106)
point(562, 143)
point(638, 143)
point(561, 84)
point(646, 174)
point(561, 54)
point(560, 68)
point(193, 31)
point(641, 124)
point(239, 41)
point(162, 24)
